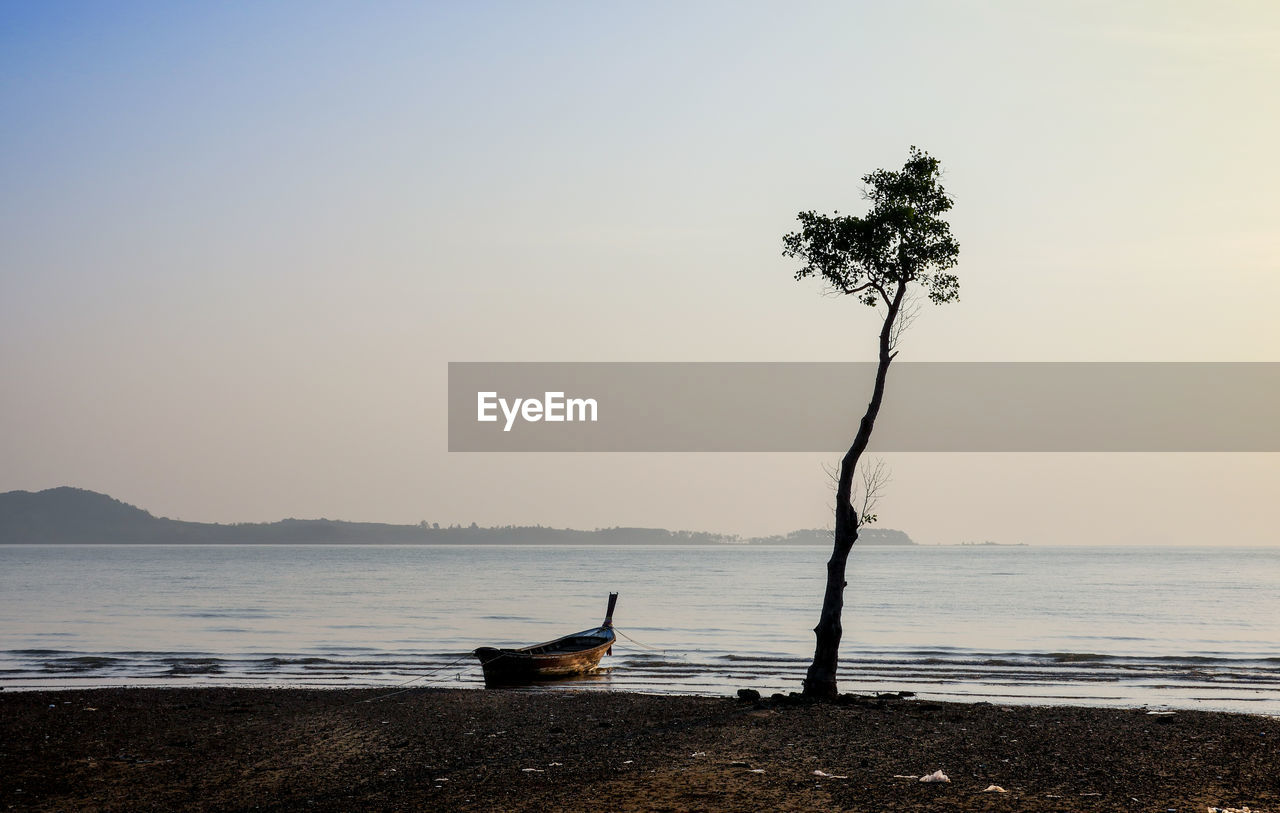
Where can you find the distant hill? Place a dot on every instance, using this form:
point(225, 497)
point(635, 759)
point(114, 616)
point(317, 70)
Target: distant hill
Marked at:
point(817, 536)
point(76, 516)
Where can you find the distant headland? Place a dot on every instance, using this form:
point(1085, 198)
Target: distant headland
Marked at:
point(75, 516)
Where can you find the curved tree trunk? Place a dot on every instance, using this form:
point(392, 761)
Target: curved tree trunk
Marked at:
point(820, 681)
point(821, 678)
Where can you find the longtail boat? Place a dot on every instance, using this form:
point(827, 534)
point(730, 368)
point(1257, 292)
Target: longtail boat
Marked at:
point(574, 654)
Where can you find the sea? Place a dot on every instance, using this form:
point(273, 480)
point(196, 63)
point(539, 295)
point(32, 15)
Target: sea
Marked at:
point(1161, 628)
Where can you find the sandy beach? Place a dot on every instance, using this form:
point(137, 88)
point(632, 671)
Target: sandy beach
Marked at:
point(433, 749)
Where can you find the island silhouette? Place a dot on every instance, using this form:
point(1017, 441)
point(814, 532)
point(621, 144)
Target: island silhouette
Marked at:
point(67, 515)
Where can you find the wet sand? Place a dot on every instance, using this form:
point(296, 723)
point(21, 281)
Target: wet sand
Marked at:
point(432, 749)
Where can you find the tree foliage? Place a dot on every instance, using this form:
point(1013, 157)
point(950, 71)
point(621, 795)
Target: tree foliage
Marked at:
point(901, 240)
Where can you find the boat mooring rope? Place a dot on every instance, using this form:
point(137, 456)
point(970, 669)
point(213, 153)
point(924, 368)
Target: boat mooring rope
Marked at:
point(637, 643)
point(453, 662)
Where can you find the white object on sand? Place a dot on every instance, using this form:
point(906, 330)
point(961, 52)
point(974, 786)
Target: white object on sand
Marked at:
point(994, 789)
point(936, 776)
point(826, 775)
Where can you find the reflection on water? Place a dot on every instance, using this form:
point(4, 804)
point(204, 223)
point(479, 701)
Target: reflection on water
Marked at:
point(1180, 627)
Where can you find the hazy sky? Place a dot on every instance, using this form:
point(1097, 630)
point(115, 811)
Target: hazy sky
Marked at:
point(239, 243)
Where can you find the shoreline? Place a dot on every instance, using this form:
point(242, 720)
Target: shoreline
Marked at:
point(461, 749)
point(920, 693)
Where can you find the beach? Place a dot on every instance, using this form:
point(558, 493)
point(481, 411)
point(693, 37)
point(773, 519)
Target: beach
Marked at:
point(504, 750)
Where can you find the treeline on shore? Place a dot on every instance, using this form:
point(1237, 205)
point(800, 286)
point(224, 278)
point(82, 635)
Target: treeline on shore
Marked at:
point(76, 516)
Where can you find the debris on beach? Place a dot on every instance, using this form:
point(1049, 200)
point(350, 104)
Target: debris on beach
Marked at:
point(1230, 810)
point(532, 770)
point(994, 789)
point(936, 776)
point(756, 770)
point(826, 775)
point(698, 754)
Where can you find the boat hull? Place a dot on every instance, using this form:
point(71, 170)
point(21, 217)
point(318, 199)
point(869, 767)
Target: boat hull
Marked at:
point(576, 654)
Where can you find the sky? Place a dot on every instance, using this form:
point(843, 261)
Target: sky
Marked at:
point(240, 243)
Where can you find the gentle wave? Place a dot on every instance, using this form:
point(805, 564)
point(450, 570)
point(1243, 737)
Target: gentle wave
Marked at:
point(1009, 676)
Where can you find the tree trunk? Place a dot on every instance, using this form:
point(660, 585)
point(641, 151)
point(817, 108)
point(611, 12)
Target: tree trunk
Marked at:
point(820, 681)
point(821, 678)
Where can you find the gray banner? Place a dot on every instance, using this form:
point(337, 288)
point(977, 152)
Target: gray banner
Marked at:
point(815, 407)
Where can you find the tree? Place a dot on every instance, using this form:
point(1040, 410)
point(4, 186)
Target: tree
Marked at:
point(901, 244)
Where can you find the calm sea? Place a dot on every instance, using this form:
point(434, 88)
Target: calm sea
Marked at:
point(1179, 628)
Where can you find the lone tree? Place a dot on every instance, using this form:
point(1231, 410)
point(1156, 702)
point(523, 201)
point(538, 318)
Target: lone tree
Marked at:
point(902, 243)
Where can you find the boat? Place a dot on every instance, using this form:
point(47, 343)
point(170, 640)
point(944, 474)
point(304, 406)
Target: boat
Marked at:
point(575, 654)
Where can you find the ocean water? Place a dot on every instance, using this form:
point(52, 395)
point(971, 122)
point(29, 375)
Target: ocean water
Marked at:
point(1174, 627)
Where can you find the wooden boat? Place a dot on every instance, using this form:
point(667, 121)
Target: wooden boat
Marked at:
point(574, 654)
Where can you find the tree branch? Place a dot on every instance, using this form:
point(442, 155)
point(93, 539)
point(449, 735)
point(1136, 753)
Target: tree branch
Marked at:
point(845, 289)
